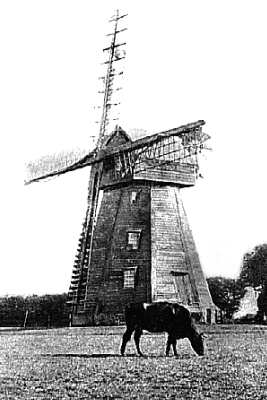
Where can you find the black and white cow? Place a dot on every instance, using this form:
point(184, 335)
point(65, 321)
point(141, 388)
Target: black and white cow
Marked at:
point(161, 317)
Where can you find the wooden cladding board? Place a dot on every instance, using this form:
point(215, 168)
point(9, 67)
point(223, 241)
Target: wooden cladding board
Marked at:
point(179, 174)
point(196, 271)
point(174, 173)
point(176, 272)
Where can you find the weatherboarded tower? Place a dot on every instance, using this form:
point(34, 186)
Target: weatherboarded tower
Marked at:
point(140, 246)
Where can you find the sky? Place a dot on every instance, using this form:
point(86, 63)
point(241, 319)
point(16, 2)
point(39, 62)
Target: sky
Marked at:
point(186, 60)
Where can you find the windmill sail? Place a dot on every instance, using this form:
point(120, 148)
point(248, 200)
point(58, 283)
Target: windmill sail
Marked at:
point(36, 174)
point(191, 142)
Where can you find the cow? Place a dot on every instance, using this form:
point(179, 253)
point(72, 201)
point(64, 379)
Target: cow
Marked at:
point(161, 317)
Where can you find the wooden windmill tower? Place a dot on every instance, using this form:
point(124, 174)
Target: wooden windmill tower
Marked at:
point(136, 244)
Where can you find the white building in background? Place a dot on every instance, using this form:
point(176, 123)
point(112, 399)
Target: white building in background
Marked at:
point(248, 306)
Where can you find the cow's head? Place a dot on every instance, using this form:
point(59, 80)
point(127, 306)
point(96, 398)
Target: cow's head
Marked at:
point(197, 343)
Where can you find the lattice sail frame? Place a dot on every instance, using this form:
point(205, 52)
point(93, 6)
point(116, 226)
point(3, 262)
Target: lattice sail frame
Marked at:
point(171, 150)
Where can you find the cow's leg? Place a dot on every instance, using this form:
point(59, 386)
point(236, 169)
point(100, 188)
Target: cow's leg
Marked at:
point(168, 346)
point(126, 337)
point(171, 341)
point(137, 334)
point(174, 347)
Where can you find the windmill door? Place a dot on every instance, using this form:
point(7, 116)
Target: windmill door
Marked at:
point(183, 287)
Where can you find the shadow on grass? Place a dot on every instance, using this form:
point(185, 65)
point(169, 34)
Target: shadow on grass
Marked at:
point(109, 355)
point(70, 355)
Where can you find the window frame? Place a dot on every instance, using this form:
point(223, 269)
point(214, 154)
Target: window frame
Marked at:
point(131, 246)
point(130, 278)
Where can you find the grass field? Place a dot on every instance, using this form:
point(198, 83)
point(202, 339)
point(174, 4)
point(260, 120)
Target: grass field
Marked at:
point(84, 363)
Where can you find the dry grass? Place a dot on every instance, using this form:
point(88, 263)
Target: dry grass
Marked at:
point(84, 363)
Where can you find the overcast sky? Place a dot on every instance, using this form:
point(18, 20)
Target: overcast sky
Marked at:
point(186, 60)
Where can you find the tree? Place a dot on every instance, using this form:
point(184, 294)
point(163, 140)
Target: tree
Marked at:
point(225, 293)
point(254, 273)
point(254, 267)
point(12, 310)
point(43, 311)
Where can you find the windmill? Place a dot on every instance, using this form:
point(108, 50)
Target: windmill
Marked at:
point(136, 244)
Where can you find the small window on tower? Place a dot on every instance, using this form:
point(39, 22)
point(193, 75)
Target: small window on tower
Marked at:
point(129, 278)
point(133, 239)
point(133, 197)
